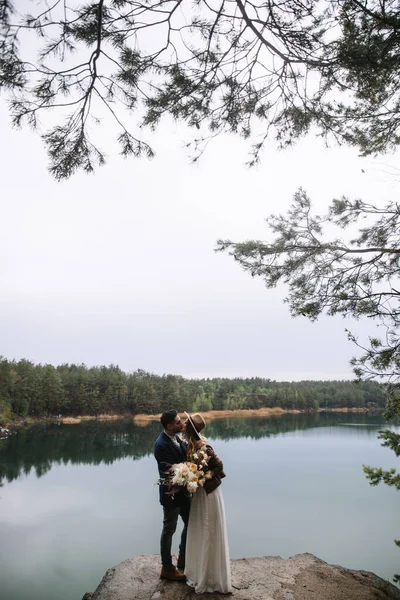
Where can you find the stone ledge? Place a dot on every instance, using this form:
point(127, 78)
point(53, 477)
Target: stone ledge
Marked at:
point(300, 577)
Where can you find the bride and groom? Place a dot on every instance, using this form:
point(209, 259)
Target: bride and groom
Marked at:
point(203, 560)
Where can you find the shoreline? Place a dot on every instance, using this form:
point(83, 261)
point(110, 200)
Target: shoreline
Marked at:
point(260, 412)
point(221, 414)
point(143, 419)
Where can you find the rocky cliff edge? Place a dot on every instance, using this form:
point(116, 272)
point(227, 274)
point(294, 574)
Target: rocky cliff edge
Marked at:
point(300, 577)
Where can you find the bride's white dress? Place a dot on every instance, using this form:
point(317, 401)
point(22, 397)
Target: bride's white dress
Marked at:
point(207, 553)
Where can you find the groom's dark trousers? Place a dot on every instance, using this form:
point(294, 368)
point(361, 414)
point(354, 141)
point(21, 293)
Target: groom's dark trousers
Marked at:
point(168, 453)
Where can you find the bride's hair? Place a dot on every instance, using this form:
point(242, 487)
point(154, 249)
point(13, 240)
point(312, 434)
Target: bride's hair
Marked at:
point(192, 437)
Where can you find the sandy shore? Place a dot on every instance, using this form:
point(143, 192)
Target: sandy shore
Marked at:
point(143, 419)
point(72, 420)
point(261, 412)
point(219, 414)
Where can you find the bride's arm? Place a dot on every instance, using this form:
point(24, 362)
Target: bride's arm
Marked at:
point(215, 464)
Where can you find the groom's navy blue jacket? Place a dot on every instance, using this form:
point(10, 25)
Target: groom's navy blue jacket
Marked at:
point(167, 453)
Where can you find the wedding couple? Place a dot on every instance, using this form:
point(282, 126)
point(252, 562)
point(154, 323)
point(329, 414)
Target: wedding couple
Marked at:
point(203, 560)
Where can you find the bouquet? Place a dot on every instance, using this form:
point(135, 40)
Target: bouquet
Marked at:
point(190, 475)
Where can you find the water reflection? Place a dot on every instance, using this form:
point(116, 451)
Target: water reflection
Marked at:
point(96, 442)
point(294, 484)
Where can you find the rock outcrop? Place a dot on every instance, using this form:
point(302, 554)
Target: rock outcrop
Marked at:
point(300, 577)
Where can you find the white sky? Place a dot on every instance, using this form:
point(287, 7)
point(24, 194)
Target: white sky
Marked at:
point(118, 267)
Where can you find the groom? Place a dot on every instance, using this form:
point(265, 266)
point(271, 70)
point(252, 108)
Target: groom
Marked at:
point(168, 450)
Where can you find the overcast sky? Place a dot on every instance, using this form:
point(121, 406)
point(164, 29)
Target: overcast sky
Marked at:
point(119, 267)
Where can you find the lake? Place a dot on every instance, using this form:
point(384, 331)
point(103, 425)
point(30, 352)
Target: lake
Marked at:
point(78, 499)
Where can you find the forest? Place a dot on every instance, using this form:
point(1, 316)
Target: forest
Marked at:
point(36, 390)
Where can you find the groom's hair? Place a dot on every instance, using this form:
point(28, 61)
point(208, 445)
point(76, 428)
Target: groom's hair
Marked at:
point(168, 417)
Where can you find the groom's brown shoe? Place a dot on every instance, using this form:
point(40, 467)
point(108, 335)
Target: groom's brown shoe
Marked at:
point(181, 562)
point(172, 573)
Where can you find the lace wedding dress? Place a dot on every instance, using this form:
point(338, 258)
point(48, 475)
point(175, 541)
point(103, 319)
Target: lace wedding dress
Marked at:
point(207, 553)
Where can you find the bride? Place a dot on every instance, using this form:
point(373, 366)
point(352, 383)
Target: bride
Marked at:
point(207, 567)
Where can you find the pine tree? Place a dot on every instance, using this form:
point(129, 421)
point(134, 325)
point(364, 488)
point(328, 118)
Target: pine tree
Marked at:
point(226, 66)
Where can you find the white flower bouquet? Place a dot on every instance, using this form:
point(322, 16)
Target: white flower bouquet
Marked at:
point(191, 475)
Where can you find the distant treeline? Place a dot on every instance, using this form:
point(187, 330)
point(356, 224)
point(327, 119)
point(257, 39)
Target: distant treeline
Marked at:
point(27, 389)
